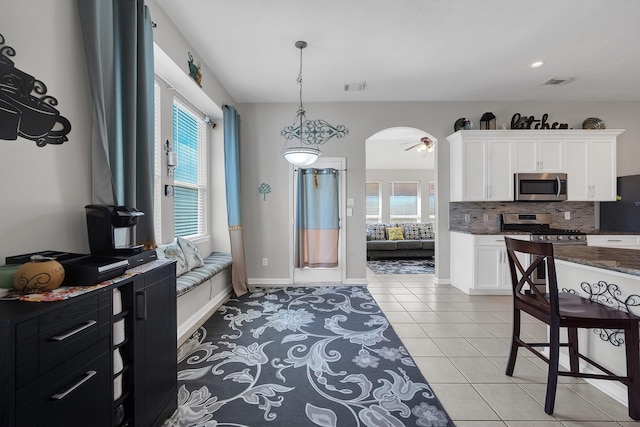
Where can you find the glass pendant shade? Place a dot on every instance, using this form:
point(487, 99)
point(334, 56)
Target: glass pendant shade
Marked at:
point(301, 156)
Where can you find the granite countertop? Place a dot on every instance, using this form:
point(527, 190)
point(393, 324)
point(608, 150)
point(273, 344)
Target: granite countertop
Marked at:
point(614, 259)
point(490, 232)
point(613, 233)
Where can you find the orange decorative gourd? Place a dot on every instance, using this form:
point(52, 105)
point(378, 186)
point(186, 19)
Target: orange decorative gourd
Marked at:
point(38, 276)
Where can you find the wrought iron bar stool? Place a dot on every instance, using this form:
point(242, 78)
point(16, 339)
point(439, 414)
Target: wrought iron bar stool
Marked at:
point(565, 310)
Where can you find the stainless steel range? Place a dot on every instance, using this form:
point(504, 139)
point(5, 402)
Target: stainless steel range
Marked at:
point(539, 228)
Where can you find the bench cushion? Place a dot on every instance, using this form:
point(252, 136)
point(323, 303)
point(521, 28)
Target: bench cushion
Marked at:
point(213, 264)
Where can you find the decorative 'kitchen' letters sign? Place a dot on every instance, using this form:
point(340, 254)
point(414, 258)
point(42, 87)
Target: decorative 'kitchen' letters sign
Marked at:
point(25, 109)
point(524, 122)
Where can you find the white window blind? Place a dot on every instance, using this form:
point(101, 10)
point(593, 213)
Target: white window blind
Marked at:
point(157, 166)
point(404, 203)
point(190, 190)
point(373, 201)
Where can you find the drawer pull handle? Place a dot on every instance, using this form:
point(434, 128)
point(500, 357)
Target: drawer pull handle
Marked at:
point(64, 394)
point(614, 240)
point(80, 328)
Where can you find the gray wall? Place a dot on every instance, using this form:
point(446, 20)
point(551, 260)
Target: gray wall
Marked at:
point(266, 223)
point(45, 190)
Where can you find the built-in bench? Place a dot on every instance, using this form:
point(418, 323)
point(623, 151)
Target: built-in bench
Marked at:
point(202, 283)
point(201, 291)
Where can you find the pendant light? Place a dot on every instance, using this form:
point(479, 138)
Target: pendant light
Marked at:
point(308, 134)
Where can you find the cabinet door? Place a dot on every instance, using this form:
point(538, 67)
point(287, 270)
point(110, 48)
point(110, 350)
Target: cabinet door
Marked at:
point(576, 167)
point(525, 156)
point(155, 345)
point(602, 168)
point(499, 171)
point(489, 267)
point(475, 171)
point(550, 156)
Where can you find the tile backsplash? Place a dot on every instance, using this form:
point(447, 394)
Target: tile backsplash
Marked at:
point(485, 216)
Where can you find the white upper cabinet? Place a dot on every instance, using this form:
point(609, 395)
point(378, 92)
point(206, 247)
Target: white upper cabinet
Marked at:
point(483, 162)
point(591, 169)
point(538, 155)
point(480, 168)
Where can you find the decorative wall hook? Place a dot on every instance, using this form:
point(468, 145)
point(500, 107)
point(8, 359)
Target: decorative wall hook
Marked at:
point(172, 158)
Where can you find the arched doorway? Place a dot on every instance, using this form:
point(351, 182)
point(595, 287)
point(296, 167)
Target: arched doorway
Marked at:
point(396, 157)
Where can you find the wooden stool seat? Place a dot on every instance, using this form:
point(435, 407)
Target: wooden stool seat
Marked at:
point(566, 310)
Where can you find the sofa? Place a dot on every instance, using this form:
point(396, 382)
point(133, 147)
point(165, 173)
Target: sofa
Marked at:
point(400, 240)
point(202, 283)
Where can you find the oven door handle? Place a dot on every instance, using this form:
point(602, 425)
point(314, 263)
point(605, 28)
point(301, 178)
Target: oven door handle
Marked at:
point(559, 186)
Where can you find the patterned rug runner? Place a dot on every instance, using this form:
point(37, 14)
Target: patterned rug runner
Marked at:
point(301, 356)
point(402, 266)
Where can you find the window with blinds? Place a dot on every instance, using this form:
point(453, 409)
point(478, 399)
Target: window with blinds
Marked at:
point(190, 190)
point(373, 202)
point(404, 202)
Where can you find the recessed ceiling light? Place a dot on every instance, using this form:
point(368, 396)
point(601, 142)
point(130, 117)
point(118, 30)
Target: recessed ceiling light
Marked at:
point(537, 64)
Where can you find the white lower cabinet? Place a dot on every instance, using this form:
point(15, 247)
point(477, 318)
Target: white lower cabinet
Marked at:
point(614, 241)
point(479, 263)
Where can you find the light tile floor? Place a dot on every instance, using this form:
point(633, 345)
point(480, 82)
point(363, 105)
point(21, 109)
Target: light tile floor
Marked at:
point(461, 342)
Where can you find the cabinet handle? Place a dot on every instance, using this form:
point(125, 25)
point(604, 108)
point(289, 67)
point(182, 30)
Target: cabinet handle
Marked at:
point(64, 394)
point(614, 240)
point(80, 328)
point(141, 305)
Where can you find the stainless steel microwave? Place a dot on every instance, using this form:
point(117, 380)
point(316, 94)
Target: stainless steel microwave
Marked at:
point(540, 187)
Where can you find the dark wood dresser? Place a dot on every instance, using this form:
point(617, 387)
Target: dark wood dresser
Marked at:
point(60, 361)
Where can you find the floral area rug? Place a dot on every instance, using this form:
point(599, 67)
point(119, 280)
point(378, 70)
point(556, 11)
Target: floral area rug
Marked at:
point(402, 266)
point(301, 356)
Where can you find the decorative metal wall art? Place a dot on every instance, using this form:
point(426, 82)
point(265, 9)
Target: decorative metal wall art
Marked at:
point(25, 108)
point(264, 189)
point(609, 294)
point(524, 122)
point(194, 71)
point(314, 131)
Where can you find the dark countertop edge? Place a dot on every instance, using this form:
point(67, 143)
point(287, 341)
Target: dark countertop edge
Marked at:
point(606, 253)
point(588, 233)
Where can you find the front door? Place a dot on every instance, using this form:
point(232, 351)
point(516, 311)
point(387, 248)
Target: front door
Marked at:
point(324, 271)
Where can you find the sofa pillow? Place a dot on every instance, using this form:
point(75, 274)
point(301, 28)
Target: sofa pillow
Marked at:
point(172, 251)
point(191, 253)
point(395, 233)
point(425, 230)
point(411, 231)
point(377, 231)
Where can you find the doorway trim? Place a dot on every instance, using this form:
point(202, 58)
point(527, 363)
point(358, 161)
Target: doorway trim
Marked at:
point(296, 276)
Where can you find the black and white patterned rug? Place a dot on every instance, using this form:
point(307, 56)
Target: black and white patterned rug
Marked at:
point(402, 266)
point(301, 356)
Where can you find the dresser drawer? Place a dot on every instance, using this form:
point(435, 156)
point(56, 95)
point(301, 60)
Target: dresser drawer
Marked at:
point(74, 393)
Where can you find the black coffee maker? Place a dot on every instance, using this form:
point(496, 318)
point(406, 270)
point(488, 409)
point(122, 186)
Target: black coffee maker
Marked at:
point(112, 229)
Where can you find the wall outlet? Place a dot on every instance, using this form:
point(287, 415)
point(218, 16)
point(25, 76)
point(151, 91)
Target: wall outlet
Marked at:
point(485, 217)
point(467, 218)
point(567, 215)
point(265, 261)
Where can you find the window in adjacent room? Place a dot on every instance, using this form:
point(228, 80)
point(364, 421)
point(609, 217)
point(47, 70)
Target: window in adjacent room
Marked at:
point(190, 190)
point(432, 200)
point(373, 202)
point(404, 202)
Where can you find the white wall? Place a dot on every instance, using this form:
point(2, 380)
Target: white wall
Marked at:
point(266, 222)
point(45, 189)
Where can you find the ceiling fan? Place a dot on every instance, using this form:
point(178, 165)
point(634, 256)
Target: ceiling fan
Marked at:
point(424, 144)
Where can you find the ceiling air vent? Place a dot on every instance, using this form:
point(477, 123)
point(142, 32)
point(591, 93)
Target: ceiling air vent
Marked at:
point(355, 87)
point(555, 81)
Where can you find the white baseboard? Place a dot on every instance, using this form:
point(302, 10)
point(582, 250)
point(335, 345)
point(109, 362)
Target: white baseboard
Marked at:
point(442, 280)
point(272, 283)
